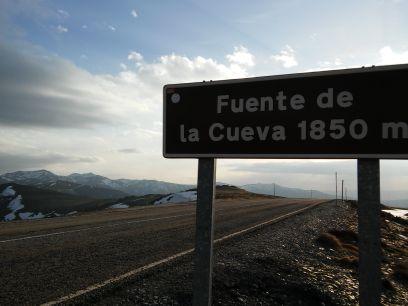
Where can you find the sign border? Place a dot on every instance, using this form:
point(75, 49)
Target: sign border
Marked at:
point(280, 77)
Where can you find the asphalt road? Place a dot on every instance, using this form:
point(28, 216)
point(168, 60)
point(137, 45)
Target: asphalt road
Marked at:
point(44, 260)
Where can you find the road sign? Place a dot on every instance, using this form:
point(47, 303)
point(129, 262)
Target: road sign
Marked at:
point(351, 113)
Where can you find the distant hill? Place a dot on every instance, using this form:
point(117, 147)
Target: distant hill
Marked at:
point(283, 191)
point(397, 203)
point(131, 187)
point(27, 202)
point(91, 185)
point(222, 191)
point(31, 178)
point(131, 201)
point(84, 190)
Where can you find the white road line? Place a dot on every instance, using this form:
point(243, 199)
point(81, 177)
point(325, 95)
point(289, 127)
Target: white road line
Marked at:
point(111, 225)
point(116, 279)
point(94, 227)
point(168, 259)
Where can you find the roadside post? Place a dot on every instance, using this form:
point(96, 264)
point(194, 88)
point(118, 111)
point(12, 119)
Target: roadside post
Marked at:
point(369, 232)
point(336, 186)
point(342, 114)
point(202, 283)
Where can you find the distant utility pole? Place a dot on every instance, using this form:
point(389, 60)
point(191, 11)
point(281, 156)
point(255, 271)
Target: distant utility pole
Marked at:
point(342, 186)
point(336, 185)
point(311, 193)
point(346, 193)
point(274, 189)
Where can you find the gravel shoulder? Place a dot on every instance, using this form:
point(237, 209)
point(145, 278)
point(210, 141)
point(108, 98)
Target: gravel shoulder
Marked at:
point(286, 263)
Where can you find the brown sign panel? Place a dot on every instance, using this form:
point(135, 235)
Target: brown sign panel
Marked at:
point(351, 113)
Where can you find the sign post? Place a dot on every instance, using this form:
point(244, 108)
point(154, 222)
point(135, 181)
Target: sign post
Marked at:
point(347, 114)
point(369, 232)
point(202, 289)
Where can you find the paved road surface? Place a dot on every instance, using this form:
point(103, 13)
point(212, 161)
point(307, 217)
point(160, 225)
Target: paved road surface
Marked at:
point(43, 260)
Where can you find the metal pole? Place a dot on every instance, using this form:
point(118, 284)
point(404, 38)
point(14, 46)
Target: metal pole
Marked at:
point(274, 189)
point(369, 232)
point(342, 193)
point(202, 285)
point(336, 187)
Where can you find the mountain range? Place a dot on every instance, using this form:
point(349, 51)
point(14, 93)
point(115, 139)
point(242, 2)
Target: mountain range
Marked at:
point(100, 187)
point(41, 193)
point(91, 185)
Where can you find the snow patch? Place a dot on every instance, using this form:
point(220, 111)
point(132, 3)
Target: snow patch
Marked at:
point(119, 205)
point(10, 217)
point(401, 213)
point(14, 206)
point(180, 197)
point(8, 192)
point(31, 215)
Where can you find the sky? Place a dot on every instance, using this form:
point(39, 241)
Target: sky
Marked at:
point(81, 81)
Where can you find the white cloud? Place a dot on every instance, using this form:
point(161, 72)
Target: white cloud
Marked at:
point(58, 94)
point(53, 92)
point(61, 29)
point(134, 13)
point(389, 56)
point(62, 104)
point(84, 26)
point(112, 28)
point(286, 57)
point(241, 57)
point(135, 57)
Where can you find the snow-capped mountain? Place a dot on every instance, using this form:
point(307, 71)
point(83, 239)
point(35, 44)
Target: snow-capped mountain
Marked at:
point(132, 187)
point(91, 179)
point(30, 177)
point(92, 185)
point(47, 180)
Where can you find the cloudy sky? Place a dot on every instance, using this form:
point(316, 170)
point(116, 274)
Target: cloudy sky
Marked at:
point(81, 81)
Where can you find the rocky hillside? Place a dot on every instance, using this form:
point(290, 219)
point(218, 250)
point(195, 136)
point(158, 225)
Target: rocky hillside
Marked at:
point(26, 202)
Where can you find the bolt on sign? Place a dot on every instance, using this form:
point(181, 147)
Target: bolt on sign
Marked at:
point(351, 113)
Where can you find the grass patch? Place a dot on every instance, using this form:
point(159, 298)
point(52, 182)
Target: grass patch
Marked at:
point(347, 236)
point(329, 241)
point(345, 243)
